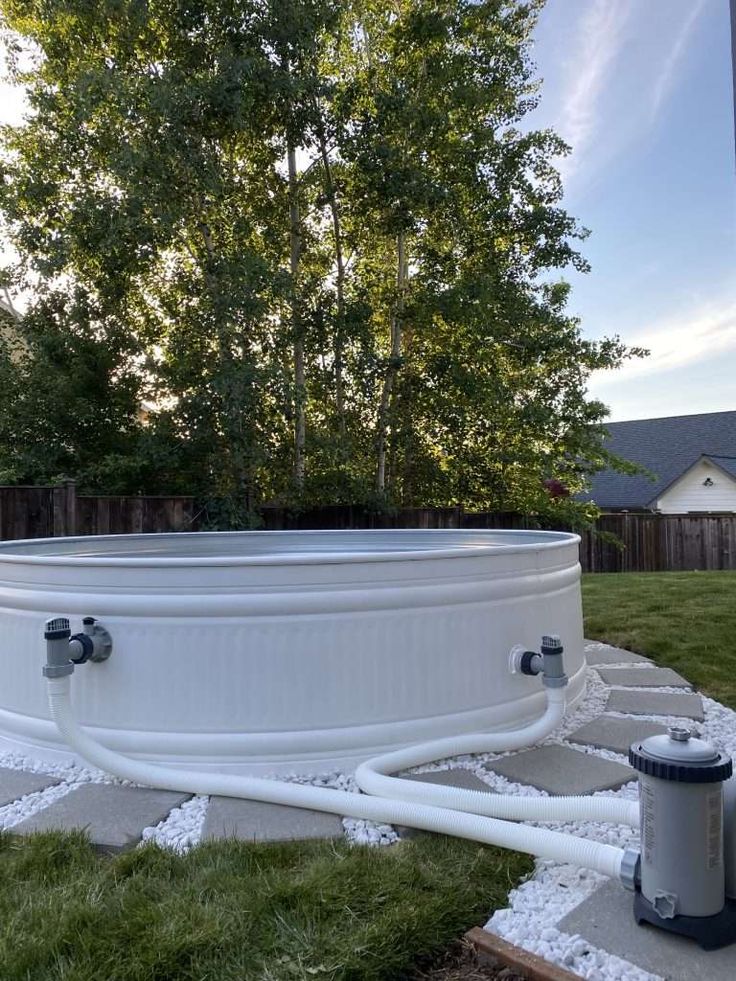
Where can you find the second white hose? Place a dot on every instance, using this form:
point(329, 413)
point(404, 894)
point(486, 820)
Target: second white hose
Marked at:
point(373, 777)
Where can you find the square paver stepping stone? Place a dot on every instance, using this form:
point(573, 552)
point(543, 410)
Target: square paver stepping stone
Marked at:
point(596, 653)
point(643, 677)
point(560, 770)
point(15, 784)
point(113, 816)
point(607, 732)
point(451, 778)
point(606, 919)
point(252, 820)
point(684, 704)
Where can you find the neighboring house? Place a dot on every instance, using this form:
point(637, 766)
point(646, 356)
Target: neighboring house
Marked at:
point(691, 464)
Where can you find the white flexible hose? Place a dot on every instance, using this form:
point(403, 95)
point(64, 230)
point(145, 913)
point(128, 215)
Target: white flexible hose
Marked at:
point(372, 777)
point(535, 841)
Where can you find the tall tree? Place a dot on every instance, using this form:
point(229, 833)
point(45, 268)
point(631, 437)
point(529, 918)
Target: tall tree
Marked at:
point(291, 251)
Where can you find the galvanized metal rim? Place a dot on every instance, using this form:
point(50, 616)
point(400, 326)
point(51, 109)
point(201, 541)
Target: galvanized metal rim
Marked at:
point(12, 552)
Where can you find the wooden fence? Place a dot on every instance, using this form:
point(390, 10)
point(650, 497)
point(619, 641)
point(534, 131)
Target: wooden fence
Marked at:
point(106, 515)
point(619, 543)
point(643, 542)
point(37, 512)
point(660, 543)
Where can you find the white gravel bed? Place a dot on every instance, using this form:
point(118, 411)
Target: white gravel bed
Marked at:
point(719, 726)
point(72, 772)
point(664, 720)
point(31, 804)
point(651, 689)
point(539, 903)
point(182, 829)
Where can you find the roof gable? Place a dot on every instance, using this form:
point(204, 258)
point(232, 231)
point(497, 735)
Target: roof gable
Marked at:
point(716, 461)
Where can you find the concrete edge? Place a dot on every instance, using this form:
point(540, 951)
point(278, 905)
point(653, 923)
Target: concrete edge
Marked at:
point(492, 949)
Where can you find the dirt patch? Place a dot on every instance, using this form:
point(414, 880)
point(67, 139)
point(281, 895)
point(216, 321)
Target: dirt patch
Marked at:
point(460, 963)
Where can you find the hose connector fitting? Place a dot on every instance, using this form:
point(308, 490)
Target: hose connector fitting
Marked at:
point(58, 653)
point(630, 873)
point(63, 650)
point(93, 644)
point(553, 672)
point(529, 663)
point(548, 662)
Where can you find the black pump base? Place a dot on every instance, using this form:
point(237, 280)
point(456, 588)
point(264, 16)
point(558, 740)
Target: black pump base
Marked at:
point(710, 932)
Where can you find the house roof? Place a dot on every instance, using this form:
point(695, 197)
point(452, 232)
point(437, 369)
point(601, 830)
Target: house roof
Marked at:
point(666, 447)
point(727, 463)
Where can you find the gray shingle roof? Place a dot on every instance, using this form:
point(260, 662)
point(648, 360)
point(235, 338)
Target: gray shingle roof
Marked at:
point(727, 463)
point(667, 447)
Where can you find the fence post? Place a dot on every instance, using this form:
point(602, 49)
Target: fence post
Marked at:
point(65, 509)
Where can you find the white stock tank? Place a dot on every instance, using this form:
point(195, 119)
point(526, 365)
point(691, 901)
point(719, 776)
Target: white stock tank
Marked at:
point(287, 651)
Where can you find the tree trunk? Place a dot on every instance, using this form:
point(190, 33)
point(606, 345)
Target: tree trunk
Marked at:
point(237, 448)
point(339, 339)
point(300, 429)
point(8, 305)
point(408, 439)
point(393, 363)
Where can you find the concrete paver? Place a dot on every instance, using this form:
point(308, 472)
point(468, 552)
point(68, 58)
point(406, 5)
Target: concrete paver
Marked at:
point(596, 654)
point(560, 770)
point(114, 816)
point(606, 920)
point(451, 778)
point(15, 784)
point(250, 820)
point(608, 732)
point(684, 704)
point(643, 677)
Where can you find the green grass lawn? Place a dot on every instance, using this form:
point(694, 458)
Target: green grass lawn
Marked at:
point(683, 620)
point(240, 912)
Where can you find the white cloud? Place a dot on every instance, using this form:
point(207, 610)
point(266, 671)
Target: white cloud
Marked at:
point(667, 75)
point(699, 336)
point(592, 56)
point(614, 65)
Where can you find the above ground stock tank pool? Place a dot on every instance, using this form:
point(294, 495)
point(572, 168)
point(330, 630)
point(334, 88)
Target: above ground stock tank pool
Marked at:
point(287, 651)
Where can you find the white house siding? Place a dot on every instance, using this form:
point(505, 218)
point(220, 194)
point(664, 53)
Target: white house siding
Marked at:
point(690, 493)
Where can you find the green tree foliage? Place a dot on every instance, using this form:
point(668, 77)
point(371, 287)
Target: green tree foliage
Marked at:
point(296, 251)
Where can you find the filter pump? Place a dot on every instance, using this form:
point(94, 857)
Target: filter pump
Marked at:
point(682, 871)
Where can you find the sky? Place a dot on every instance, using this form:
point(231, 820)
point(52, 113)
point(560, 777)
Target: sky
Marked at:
point(642, 91)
